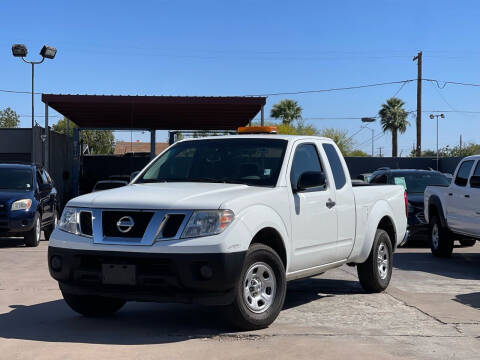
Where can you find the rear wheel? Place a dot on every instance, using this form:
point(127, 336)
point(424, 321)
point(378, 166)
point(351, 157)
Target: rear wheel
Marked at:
point(468, 242)
point(93, 306)
point(441, 243)
point(32, 237)
point(49, 229)
point(260, 293)
point(375, 273)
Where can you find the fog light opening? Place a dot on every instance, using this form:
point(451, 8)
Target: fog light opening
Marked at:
point(56, 263)
point(206, 272)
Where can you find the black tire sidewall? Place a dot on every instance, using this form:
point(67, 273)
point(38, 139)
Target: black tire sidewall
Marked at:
point(245, 318)
point(31, 237)
point(445, 243)
point(383, 238)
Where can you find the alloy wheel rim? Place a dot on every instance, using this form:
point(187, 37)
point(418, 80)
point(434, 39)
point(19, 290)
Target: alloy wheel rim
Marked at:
point(37, 230)
point(259, 287)
point(382, 261)
point(435, 236)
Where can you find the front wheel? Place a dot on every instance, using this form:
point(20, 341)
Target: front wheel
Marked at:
point(375, 273)
point(260, 292)
point(441, 243)
point(32, 237)
point(93, 306)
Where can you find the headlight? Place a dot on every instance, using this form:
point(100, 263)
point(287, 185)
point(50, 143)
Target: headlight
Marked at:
point(23, 204)
point(207, 222)
point(69, 220)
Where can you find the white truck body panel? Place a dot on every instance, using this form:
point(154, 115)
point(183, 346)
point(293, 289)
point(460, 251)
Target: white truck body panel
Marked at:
point(459, 202)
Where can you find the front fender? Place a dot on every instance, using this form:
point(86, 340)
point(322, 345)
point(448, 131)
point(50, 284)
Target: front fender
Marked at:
point(435, 201)
point(258, 217)
point(366, 232)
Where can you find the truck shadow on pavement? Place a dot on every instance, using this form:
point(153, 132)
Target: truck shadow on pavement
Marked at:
point(472, 299)
point(459, 266)
point(145, 323)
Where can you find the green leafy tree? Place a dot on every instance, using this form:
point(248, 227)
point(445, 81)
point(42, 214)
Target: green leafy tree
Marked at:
point(98, 141)
point(9, 118)
point(393, 118)
point(456, 151)
point(340, 137)
point(287, 110)
point(358, 153)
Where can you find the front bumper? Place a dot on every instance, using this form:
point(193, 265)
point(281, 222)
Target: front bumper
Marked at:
point(161, 277)
point(16, 222)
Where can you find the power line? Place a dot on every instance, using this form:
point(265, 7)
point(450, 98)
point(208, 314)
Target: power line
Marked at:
point(333, 89)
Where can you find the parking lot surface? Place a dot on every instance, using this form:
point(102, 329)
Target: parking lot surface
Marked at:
point(430, 311)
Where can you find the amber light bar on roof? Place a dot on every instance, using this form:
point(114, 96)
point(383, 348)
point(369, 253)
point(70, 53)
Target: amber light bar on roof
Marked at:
point(257, 130)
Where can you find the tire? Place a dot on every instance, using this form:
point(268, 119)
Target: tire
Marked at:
point(441, 242)
point(468, 242)
point(93, 306)
point(259, 299)
point(49, 229)
point(375, 273)
point(32, 237)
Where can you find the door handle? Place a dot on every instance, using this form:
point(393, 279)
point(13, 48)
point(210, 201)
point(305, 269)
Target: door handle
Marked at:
point(330, 204)
point(467, 196)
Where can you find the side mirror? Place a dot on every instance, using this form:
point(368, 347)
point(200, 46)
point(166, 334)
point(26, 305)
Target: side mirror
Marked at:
point(310, 179)
point(134, 174)
point(45, 188)
point(475, 182)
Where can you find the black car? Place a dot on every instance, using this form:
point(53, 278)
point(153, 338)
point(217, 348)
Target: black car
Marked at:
point(414, 182)
point(28, 202)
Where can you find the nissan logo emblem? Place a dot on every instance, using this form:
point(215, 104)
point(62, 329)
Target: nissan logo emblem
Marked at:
point(125, 224)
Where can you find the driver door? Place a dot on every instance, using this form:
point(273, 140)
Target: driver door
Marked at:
point(314, 222)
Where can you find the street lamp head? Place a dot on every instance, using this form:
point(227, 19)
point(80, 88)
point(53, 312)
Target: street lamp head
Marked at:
point(431, 116)
point(19, 50)
point(48, 52)
point(442, 116)
point(368, 119)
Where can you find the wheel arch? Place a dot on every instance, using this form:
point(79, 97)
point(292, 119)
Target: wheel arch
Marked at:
point(435, 207)
point(271, 237)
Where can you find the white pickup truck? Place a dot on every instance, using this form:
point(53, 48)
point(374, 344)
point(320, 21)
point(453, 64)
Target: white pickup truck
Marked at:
point(453, 211)
point(228, 221)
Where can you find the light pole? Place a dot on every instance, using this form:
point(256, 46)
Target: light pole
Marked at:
point(437, 116)
point(369, 120)
point(20, 50)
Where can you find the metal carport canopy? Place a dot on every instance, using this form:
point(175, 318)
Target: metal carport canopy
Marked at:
point(156, 112)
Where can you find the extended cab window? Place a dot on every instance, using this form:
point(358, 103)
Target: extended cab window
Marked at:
point(305, 159)
point(335, 165)
point(463, 173)
point(246, 161)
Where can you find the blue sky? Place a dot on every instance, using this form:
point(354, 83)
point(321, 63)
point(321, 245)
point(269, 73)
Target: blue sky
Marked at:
point(255, 47)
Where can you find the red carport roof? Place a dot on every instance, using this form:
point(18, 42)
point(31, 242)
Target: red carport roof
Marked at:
point(156, 112)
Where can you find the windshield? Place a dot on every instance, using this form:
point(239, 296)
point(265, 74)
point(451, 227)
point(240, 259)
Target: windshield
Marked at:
point(417, 182)
point(238, 161)
point(15, 179)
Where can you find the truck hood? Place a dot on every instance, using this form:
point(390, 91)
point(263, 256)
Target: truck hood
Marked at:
point(173, 195)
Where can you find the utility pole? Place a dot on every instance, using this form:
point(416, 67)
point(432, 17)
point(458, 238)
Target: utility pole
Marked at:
point(380, 151)
point(418, 58)
point(460, 142)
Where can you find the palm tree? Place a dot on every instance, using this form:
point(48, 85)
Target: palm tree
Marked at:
point(287, 110)
point(394, 119)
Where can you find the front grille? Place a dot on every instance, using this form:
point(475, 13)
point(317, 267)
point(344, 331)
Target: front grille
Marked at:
point(86, 223)
point(140, 219)
point(172, 225)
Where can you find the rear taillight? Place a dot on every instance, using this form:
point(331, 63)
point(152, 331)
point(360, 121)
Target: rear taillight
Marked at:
point(405, 197)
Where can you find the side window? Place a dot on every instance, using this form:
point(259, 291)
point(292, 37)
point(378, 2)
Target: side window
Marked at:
point(305, 159)
point(336, 165)
point(463, 173)
point(39, 179)
point(379, 179)
point(49, 179)
point(477, 170)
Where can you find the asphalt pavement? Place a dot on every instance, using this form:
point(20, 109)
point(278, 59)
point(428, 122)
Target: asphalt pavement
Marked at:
point(430, 311)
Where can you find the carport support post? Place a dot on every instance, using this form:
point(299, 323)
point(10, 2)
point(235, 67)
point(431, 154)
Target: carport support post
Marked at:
point(47, 140)
point(152, 143)
point(76, 161)
point(262, 120)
